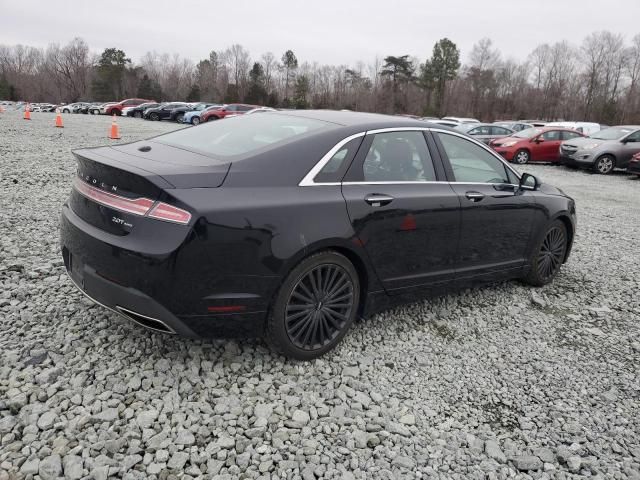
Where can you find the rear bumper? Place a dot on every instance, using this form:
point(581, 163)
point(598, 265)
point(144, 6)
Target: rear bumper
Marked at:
point(144, 290)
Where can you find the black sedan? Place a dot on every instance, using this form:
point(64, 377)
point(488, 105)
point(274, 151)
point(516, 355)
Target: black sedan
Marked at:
point(138, 110)
point(162, 112)
point(289, 225)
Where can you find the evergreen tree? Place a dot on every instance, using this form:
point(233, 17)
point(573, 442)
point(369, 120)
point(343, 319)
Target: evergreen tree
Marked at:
point(301, 91)
point(290, 64)
point(109, 74)
point(257, 92)
point(194, 94)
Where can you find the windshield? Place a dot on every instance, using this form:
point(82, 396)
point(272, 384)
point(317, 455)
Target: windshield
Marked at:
point(613, 133)
point(528, 133)
point(242, 134)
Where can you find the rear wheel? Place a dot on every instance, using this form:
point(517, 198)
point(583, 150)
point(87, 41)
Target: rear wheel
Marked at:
point(314, 307)
point(549, 255)
point(604, 164)
point(212, 118)
point(195, 120)
point(154, 116)
point(521, 157)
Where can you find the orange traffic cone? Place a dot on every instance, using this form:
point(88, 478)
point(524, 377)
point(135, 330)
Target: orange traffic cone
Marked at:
point(114, 134)
point(27, 112)
point(1, 109)
point(59, 119)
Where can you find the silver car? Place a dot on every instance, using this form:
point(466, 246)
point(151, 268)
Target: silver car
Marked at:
point(603, 151)
point(485, 132)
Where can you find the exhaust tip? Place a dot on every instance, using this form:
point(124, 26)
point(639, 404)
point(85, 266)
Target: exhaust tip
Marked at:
point(145, 321)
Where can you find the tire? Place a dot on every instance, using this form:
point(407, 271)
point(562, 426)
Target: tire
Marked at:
point(116, 112)
point(212, 118)
point(66, 110)
point(195, 120)
point(522, 157)
point(137, 114)
point(604, 164)
point(179, 117)
point(299, 325)
point(154, 117)
point(548, 255)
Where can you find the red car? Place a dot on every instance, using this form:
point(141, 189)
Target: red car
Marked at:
point(634, 165)
point(534, 144)
point(231, 109)
point(116, 108)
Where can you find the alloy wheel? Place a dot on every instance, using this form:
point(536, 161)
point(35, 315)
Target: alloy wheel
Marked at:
point(551, 253)
point(522, 157)
point(605, 164)
point(319, 306)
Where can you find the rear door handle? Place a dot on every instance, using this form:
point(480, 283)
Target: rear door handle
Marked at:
point(474, 196)
point(378, 200)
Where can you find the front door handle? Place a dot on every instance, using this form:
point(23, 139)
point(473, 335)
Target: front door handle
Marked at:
point(474, 196)
point(378, 200)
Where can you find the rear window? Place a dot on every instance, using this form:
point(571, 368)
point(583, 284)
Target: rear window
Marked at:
point(241, 135)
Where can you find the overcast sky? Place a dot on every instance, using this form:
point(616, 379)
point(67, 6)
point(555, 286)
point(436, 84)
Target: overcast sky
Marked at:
point(327, 31)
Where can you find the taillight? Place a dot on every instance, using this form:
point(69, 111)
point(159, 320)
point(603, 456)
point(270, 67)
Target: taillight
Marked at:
point(164, 211)
point(136, 206)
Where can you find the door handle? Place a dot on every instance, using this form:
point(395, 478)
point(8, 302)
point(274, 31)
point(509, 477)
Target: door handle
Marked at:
point(378, 200)
point(474, 196)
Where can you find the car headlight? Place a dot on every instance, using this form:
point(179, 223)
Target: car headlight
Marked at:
point(590, 146)
point(510, 143)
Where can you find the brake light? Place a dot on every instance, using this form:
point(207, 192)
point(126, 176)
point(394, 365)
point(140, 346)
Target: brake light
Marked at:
point(136, 206)
point(164, 211)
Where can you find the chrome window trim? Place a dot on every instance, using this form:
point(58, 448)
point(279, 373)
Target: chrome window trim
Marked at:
point(307, 181)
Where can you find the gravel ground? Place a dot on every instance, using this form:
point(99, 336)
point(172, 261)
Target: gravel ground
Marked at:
point(503, 382)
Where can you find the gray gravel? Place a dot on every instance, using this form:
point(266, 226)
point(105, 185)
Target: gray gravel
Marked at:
point(503, 382)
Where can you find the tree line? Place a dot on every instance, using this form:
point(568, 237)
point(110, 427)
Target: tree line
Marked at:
point(597, 80)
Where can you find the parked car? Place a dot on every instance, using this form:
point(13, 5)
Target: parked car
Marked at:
point(535, 123)
point(603, 151)
point(98, 108)
point(222, 112)
point(534, 144)
point(206, 231)
point(138, 110)
point(634, 165)
point(193, 117)
point(116, 108)
point(461, 119)
point(485, 132)
point(73, 107)
point(446, 123)
point(588, 128)
point(515, 126)
point(177, 115)
point(162, 112)
point(257, 110)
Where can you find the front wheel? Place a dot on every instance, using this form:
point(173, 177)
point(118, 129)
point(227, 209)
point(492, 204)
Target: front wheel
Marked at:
point(154, 117)
point(549, 255)
point(179, 117)
point(604, 164)
point(195, 120)
point(315, 306)
point(521, 157)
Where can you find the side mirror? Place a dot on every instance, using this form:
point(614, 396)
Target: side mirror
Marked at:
point(528, 182)
point(538, 140)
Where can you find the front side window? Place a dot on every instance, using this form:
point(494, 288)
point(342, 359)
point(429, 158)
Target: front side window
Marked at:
point(634, 137)
point(551, 135)
point(398, 157)
point(472, 163)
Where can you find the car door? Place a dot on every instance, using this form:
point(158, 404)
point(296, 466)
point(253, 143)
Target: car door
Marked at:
point(547, 146)
point(404, 213)
point(630, 146)
point(496, 215)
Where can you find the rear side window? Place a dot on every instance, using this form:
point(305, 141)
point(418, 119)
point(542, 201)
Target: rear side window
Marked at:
point(398, 157)
point(500, 131)
point(336, 167)
point(472, 163)
point(243, 134)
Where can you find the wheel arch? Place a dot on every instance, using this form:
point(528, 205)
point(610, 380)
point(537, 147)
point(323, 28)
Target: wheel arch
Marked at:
point(606, 153)
point(566, 220)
